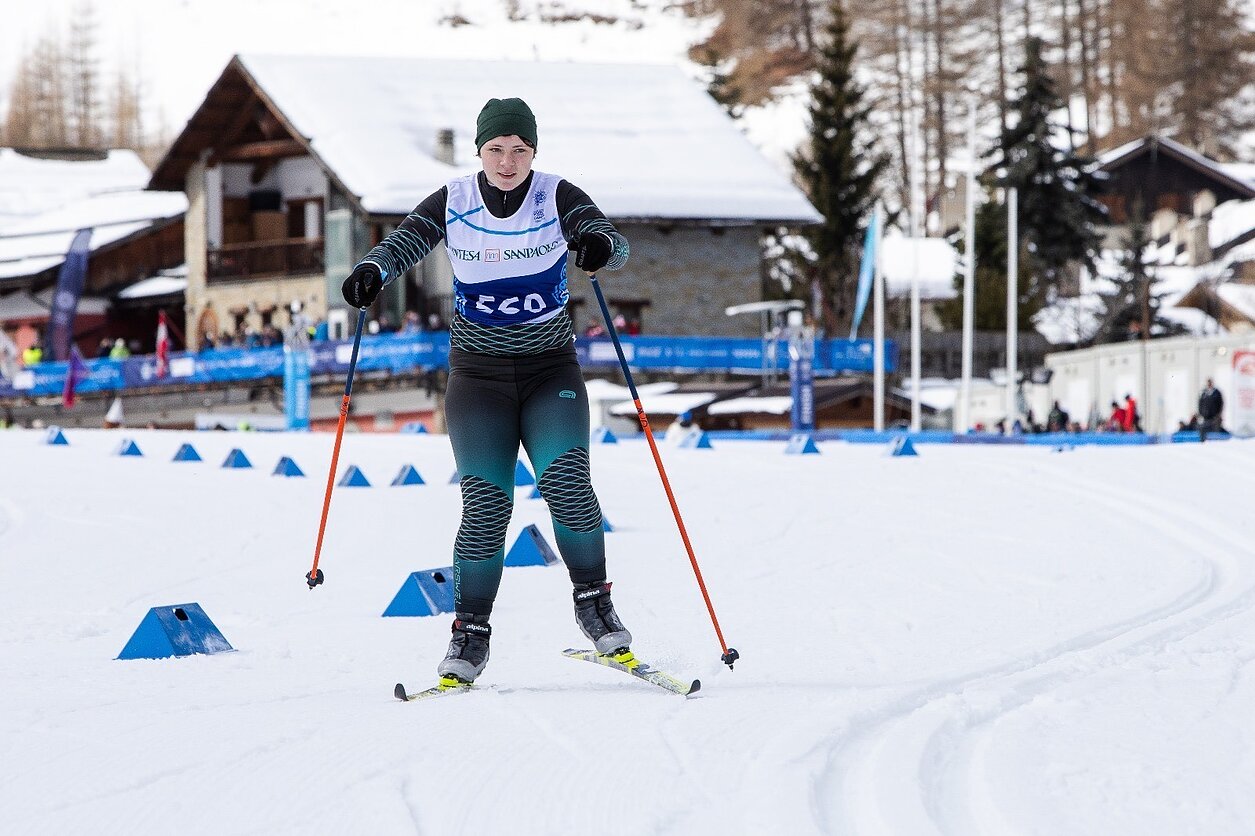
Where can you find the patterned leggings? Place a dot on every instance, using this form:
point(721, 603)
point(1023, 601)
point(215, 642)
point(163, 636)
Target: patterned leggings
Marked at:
point(493, 404)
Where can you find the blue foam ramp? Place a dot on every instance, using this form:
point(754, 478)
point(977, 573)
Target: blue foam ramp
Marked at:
point(605, 525)
point(186, 453)
point(175, 630)
point(522, 476)
point(287, 467)
point(129, 448)
point(55, 436)
point(535, 494)
point(902, 446)
point(409, 475)
point(353, 478)
point(530, 549)
point(455, 478)
point(415, 427)
point(696, 440)
point(801, 444)
point(429, 592)
point(236, 458)
point(603, 435)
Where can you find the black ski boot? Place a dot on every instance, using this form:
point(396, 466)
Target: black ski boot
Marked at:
point(468, 649)
point(597, 619)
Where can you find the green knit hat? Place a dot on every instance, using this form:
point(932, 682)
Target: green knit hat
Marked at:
point(505, 117)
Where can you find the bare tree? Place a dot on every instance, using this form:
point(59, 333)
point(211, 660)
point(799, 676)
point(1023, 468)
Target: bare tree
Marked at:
point(83, 69)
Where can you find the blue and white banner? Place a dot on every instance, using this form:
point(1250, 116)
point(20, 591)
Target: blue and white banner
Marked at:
point(866, 271)
point(403, 353)
point(70, 281)
point(296, 388)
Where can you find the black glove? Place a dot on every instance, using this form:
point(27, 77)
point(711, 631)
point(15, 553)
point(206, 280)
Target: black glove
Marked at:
point(592, 250)
point(362, 285)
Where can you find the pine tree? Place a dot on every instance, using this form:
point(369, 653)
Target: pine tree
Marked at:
point(990, 279)
point(838, 166)
point(1058, 212)
point(1130, 306)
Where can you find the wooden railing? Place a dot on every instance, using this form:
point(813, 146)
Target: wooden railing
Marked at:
point(256, 259)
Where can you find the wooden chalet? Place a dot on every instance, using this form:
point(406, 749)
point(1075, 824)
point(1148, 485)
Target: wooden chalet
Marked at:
point(1156, 172)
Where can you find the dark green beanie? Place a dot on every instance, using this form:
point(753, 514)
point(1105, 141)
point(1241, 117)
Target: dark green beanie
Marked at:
point(505, 117)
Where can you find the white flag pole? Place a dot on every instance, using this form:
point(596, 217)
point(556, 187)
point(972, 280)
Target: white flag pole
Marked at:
point(878, 327)
point(1013, 249)
point(962, 415)
point(917, 227)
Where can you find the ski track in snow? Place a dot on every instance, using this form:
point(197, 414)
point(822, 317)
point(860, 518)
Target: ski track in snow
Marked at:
point(919, 761)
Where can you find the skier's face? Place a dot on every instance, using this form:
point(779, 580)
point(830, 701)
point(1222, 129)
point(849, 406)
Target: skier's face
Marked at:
point(507, 161)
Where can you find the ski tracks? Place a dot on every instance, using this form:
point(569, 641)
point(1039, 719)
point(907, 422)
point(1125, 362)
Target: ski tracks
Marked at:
point(917, 763)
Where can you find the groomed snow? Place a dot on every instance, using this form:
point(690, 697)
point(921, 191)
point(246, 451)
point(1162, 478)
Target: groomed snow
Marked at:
point(980, 640)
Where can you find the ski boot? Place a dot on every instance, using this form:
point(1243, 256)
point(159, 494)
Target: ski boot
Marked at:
point(597, 619)
point(468, 649)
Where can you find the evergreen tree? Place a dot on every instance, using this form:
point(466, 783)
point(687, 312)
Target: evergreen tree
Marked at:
point(1131, 305)
point(838, 166)
point(1057, 208)
point(990, 279)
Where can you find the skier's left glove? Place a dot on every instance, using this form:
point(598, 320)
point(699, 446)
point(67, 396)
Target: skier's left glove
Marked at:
point(592, 250)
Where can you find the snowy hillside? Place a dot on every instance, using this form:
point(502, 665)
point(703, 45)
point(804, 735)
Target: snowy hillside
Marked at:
point(982, 640)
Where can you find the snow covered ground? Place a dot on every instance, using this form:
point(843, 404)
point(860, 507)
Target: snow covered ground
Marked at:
point(977, 641)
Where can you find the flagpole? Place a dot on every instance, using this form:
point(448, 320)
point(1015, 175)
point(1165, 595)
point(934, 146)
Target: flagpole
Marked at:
point(917, 227)
point(962, 415)
point(878, 330)
point(1013, 248)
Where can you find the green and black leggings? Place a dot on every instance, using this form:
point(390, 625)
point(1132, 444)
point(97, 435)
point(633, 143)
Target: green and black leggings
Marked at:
point(492, 404)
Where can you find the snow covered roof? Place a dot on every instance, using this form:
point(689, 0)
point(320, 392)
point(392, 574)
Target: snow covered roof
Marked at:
point(770, 405)
point(937, 264)
point(38, 243)
point(644, 141)
point(30, 185)
point(23, 305)
point(1114, 157)
point(163, 284)
point(676, 403)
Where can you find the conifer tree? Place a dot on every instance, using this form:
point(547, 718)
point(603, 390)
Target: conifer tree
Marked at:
point(1058, 211)
point(838, 166)
point(990, 279)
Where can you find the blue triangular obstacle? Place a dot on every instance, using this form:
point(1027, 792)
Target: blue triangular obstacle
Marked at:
point(605, 525)
point(522, 476)
point(535, 494)
point(455, 478)
point(530, 549)
point(186, 453)
point(696, 440)
point(602, 435)
point(801, 444)
point(55, 436)
point(236, 458)
point(287, 467)
point(429, 592)
point(415, 427)
point(129, 448)
point(353, 478)
point(902, 446)
point(408, 476)
point(176, 630)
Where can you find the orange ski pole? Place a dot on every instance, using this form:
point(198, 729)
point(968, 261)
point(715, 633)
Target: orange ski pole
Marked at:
point(315, 575)
point(729, 654)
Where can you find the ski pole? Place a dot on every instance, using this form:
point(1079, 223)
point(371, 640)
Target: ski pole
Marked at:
point(729, 654)
point(315, 575)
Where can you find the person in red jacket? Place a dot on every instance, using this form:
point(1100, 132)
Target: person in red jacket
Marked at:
point(1116, 422)
point(1132, 421)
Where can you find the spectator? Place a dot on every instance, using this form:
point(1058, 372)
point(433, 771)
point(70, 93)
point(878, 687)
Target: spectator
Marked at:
point(1210, 405)
point(633, 327)
point(385, 324)
point(595, 330)
point(1057, 419)
point(106, 345)
point(119, 350)
point(434, 322)
point(412, 324)
point(1132, 420)
point(33, 355)
point(1115, 423)
point(207, 342)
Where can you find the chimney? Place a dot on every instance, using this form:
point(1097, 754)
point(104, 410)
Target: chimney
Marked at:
point(444, 146)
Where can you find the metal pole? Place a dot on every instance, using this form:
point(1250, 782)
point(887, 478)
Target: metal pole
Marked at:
point(878, 331)
point(917, 227)
point(1013, 249)
point(963, 411)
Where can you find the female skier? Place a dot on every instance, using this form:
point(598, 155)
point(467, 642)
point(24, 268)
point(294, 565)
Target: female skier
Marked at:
point(513, 373)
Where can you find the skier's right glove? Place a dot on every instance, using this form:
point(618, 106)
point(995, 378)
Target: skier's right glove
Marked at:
point(363, 285)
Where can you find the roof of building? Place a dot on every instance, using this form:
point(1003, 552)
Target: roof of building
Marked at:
point(644, 141)
point(32, 182)
point(1225, 174)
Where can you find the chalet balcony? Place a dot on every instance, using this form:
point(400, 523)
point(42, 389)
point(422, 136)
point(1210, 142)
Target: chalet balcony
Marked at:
point(265, 259)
